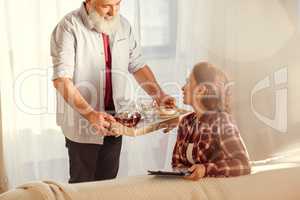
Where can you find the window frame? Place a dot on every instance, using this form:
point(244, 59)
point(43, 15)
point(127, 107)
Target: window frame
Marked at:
point(169, 50)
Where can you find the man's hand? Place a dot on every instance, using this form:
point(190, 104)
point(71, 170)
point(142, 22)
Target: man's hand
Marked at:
point(101, 123)
point(147, 81)
point(198, 172)
point(165, 100)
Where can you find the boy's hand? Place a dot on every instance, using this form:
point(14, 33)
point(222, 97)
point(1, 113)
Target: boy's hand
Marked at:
point(197, 172)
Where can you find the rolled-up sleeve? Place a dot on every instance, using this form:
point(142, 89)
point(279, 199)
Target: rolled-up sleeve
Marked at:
point(63, 51)
point(136, 60)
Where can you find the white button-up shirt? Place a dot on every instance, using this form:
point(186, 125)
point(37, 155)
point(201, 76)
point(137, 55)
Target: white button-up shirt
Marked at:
point(77, 52)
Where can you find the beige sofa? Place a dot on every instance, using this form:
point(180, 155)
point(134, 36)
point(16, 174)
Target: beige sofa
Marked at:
point(280, 184)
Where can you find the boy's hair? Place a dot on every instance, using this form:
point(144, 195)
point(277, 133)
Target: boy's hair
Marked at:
point(218, 95)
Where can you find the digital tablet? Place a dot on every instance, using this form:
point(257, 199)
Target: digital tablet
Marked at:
point(168, 173)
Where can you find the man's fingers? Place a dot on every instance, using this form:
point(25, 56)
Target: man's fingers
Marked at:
point(166, 100)
point(116, 132)
point(105, 132)
point(110, 131)
point(170, 101)
point(105, 124)
point(109, 118)
point(104, 116)
point(102, 128)
point(97, 129)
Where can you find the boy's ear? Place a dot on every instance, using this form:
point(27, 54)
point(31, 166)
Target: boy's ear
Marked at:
point(200, 90)
point(203, 89)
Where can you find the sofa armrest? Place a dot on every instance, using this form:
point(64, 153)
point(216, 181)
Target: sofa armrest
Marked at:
point(21, 194)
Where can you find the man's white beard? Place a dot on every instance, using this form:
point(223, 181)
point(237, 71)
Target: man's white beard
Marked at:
point(103, 25)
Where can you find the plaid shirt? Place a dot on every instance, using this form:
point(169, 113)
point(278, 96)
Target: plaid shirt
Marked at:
point(217, 145)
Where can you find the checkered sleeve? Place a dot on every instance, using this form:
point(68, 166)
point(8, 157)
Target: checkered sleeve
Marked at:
point(177, 151)
point(235, 161)
point(176, 157)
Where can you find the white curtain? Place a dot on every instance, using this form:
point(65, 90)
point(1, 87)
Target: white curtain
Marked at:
point(155, 29)
point(34, 146)
point(256, 42)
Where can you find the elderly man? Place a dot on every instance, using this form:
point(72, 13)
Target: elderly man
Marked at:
point(93, 50)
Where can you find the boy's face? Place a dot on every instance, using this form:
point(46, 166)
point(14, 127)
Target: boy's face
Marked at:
point(193, 92)
point(188, 90)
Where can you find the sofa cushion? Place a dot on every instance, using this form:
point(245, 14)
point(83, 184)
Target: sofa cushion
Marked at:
point(274, 185)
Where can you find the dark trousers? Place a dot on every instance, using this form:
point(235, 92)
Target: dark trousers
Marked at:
point(93, 162)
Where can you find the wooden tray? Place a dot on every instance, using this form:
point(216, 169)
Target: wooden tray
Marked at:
point(144, 127)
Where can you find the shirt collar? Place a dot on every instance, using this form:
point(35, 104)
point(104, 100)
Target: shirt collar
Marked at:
point(85, 18)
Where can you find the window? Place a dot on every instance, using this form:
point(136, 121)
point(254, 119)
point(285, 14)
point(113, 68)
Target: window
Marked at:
point(155, 25)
